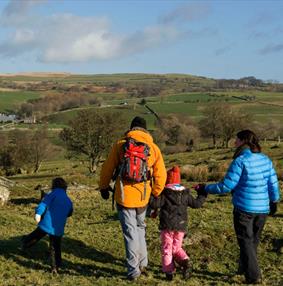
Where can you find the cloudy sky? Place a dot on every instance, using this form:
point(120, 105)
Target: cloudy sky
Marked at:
point(219, 39)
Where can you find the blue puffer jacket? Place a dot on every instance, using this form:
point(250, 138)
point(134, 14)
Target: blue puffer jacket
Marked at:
point(252, 180)
point(54, 209)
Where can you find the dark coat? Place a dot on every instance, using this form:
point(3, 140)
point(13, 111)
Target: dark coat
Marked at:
point(173, 206)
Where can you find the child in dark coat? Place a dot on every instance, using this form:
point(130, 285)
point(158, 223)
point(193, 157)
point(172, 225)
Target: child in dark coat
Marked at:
point(51, 216)
point(173, 203)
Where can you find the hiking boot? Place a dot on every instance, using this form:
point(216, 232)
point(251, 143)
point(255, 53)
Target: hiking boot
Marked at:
point(187, 268)
point(23, 245)
point(253, 281)
point(144, 271)
point(133, 278)
point(169, 276)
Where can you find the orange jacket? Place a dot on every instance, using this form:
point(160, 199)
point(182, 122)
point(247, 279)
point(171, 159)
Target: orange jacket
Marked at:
point(133, 192)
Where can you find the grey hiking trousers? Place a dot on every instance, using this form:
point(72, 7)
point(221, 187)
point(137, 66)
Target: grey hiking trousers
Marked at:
point(133, 227)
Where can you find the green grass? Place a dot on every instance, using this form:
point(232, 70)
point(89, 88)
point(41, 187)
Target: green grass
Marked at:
point(11, 99)
point(93, 250)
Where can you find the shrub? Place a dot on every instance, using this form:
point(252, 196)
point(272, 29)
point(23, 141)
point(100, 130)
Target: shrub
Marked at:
point(217, 171)
point(196, 173)
point(174, 149)
point(280, 174)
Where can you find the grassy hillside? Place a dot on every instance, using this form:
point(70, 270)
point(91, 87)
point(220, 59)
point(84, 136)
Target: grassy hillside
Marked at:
point(10, 100)
point(266, 105)
point(165, 93)
point(93, 251)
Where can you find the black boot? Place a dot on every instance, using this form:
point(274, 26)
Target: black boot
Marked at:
point(169, 276)
point(253, 281)
point(187, 268)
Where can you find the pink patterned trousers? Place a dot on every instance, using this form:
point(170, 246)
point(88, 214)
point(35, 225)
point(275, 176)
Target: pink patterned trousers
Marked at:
point(171, 244)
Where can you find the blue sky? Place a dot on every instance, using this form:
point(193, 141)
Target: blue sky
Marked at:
point(218, 39)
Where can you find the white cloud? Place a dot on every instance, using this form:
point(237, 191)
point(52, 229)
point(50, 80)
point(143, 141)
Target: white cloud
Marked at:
point(66, 38)
point(23, 36)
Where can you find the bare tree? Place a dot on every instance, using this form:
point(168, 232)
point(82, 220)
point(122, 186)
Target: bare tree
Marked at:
point(91, 134)
point(210, 125)
point(222, 121)
point(25, 150)
point(177, 130)
point(41, 148)
point(31, 148)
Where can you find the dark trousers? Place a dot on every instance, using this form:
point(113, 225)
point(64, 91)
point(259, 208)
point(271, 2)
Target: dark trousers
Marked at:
point(55, 245)
point(248, 228)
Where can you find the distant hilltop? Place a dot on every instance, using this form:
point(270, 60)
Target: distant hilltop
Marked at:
point(36, 74)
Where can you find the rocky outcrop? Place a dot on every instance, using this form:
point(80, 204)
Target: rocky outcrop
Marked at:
point(5, 186)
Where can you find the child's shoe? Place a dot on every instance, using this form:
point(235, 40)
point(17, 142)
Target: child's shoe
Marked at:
point(169, 276)
point(187, 268)
point(22, 245)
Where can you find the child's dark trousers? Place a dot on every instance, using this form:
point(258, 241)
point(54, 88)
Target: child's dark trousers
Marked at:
point(55, 245)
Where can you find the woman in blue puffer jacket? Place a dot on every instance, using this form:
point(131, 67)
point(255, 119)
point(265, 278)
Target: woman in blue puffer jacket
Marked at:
point(254, 185)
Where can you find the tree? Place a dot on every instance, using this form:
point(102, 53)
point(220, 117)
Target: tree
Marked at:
point(41, 148)
point(6, 160)
point(232, 121)
point(30, 148)
point(25, 150)
point(177, 131)
point(26, 110)
point(91, 134)
point(210, 124)
point(222, 121)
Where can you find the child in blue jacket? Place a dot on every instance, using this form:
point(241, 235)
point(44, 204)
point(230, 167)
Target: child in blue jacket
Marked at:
point(51, 216)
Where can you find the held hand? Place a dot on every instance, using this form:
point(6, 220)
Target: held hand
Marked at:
point(154, 213)
point(105, 193)
point(273, 208)
point(200, 188)
point(37, 218)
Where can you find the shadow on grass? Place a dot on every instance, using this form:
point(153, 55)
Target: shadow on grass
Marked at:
point(277, 245)
point(24, 201)
point(36, 176)
point(278, 215)
point(213, 276)
point(37, 257)
point(112, 217)
point(106, 219)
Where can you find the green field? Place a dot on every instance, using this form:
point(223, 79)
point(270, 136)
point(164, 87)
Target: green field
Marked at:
point(9, 100)
point(174, 99)
point(191, 104)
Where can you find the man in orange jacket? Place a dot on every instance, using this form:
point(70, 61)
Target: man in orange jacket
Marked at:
point(132, 197)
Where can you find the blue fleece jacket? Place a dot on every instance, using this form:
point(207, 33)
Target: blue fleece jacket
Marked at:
point(54, 210)
point(252, 180)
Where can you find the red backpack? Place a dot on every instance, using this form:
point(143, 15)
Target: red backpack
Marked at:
point(134, 163)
